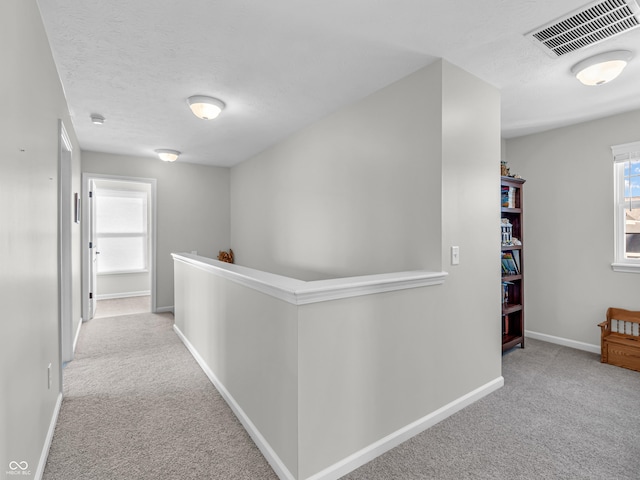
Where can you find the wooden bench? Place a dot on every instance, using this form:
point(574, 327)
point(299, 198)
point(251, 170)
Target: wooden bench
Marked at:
point(620, 338)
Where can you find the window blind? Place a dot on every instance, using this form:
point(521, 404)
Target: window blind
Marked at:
point(625, 152)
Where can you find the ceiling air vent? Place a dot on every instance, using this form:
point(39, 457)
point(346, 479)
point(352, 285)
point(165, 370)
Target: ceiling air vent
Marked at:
point(587, 26)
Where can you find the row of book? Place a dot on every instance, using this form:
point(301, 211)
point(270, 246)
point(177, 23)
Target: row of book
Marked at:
point(511, 262)
point(508, 197)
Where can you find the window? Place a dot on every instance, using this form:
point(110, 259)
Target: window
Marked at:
point(627, 207)
point(121, 231)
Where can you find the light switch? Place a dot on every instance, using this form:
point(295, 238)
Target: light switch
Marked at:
point(455, 255)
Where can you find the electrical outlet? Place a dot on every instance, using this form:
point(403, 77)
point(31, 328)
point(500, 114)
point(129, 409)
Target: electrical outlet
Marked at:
point(455, 255)
point(49, 376)
point(194, 252)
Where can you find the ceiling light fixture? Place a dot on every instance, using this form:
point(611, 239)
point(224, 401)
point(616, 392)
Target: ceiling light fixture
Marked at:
point(206, 108)
point(167, 155)
point(97, 119)
point(601, 68)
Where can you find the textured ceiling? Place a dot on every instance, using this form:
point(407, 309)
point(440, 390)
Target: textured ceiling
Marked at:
point(284, 64)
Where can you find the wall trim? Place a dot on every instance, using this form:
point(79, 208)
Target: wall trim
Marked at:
point(565, 342)
point(262, 444)
point(108, 296)
point(164, 309)
point(49, 438)
point(299, 292)
point(75, 339)
point(394, 439)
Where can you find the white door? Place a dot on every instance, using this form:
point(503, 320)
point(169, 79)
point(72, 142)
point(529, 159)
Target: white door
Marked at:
point(93, 250)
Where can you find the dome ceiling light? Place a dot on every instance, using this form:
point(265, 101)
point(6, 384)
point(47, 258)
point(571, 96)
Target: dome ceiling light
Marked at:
point(206, 108)
point(601, 68)
point(167, 155)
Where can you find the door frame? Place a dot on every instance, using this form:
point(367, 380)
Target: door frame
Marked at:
point(65, 252)
point(92, 252)
point(86, 213)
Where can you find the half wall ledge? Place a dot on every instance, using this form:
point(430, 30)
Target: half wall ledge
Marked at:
point(323, 385)
point(300, 292)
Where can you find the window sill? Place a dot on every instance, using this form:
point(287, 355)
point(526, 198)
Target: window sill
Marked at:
point(626, 267)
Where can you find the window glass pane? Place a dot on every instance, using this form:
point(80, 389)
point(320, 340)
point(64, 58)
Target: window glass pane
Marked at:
point(632, 209)
point(634, 185)
point(120, 214)
point(121, 254)
point(633, 245)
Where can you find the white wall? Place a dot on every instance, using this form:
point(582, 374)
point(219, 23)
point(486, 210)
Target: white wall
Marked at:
point(470, 303)
point(121, 285)
point(249, 342)
point(568, 223)
point(192, 208)
point(409, 355)
point(389, 183)
point(356, 193)
point(29, 233)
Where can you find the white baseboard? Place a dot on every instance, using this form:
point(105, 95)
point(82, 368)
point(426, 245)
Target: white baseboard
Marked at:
point(394, 439)
point(164, 309)
point(268, 452)
point(587, 347)
point(47, 442)
point(75, 339)
point(359, 458)
point(109, 296)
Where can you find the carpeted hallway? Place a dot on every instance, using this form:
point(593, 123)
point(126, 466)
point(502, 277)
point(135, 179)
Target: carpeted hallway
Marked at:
point(114, 307)
point(138, 406)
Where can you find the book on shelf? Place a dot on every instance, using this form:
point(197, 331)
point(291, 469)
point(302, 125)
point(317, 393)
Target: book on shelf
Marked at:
point(505, 292)
point(508, 197)
point(516, 259)
point(509, 266)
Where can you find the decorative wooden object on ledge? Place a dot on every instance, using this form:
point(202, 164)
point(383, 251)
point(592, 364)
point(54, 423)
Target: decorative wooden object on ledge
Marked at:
point(512, 262)
point(620, 338)
point(225, 257)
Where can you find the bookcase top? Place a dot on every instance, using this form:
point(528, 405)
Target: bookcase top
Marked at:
point(512, 180)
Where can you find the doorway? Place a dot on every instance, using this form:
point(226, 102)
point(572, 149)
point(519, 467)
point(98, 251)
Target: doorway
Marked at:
point(119, 247)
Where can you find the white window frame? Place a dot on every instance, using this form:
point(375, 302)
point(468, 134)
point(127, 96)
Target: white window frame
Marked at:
point(621, 154)
point(144, 235)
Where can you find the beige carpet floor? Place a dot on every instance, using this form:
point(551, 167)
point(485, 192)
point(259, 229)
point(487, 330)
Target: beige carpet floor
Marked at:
point(137, 406)
point(114, 307)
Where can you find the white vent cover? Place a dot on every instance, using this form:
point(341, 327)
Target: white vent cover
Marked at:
point(589, 25)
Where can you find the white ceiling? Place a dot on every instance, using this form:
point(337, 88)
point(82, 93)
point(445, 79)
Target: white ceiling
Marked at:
point(283, 64)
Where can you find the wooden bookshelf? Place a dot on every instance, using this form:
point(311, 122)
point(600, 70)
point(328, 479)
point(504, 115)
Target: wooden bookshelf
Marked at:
point(512, 319)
